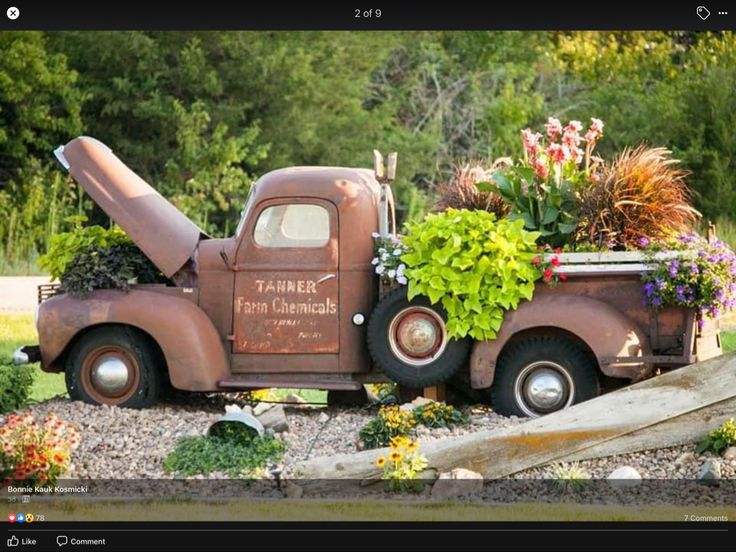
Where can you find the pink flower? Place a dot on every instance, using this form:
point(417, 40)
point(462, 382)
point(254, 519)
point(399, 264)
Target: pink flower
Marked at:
point(558, 153)
point(596, 125)
point(574, 127)
point(595, 131)
point(531, 141)
point(541, 169)
point(554, 128)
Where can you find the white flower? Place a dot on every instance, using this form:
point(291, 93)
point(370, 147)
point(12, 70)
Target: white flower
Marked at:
point(398, 252)
point(380, 269)
point(384, 257)
point(402, 280)
point(375, 261)
point(392, 273)
point(400, 269)
point(382, 250)
point(375, 235)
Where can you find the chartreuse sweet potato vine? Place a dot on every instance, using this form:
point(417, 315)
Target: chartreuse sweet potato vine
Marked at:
point(476, 266)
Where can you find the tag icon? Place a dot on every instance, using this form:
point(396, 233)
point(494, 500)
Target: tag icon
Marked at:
point(703, 12)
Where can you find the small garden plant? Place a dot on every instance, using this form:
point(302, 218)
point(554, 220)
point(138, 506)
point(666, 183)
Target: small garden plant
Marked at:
point(718, 440)
point(230, 448)
point(403, 465)
point(396, 422)
point(15, 386)
point(33, 452)
point(567, 478)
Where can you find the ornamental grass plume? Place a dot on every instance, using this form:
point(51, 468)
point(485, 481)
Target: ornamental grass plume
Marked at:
point(641, 197)
point(462, 193)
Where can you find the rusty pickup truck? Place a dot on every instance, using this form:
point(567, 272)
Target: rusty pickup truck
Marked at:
point(292, 300)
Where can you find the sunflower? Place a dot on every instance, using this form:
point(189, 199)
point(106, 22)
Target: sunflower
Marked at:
point(396, 457)
point(380, 461)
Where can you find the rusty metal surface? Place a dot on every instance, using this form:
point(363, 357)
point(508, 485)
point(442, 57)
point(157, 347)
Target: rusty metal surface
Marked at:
point(194, 353)
point(163, 233)
point(607, 331)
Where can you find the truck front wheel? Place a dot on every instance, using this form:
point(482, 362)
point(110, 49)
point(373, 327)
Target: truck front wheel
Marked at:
point(408, 341)
point(539, 375)
point(113, 365)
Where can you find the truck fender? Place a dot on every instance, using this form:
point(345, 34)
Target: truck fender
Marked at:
point(194, 353)
point(606, 331)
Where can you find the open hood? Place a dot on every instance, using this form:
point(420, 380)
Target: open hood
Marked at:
point(162, 232)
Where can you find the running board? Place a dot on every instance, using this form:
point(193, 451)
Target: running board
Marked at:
point(297, 381)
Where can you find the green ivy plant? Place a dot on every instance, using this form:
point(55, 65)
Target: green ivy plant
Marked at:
point(65, 246)
point(476, 266)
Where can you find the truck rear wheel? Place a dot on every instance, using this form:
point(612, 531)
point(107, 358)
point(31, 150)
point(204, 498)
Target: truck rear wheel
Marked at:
point(539, 375)
point(113, 365)
point(408, 341)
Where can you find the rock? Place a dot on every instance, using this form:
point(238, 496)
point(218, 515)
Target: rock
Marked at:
point(261, 408)
point(292, 490)
point(710, 473)
point(323, 417)
point(730, 453)
point(420, 401)
point(624, 476)
point(456, 483)
point(684, 458)
point(296, 401)
point(274, 418)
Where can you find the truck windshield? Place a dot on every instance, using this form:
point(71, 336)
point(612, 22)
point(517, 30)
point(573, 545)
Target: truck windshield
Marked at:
point(246, 210)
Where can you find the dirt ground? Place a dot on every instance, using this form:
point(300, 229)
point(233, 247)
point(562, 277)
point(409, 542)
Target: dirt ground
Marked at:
point(18, 293)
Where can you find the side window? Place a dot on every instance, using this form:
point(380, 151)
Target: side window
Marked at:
point(293, 225)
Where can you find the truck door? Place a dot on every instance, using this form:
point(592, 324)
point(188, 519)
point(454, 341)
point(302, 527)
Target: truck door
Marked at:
point(286, 283)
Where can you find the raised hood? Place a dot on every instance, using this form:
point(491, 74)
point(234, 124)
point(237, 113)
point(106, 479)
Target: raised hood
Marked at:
point(162, 232)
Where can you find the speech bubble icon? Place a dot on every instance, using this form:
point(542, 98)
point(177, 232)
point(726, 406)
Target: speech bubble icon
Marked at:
point(61, 540)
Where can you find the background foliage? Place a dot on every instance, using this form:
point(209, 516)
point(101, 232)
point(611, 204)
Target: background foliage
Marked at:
point(200, 115)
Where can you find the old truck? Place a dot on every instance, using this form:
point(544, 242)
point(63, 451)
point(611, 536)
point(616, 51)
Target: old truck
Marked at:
point(292, 300)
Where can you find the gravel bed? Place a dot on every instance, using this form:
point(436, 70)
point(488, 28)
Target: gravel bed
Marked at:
point(132, 444)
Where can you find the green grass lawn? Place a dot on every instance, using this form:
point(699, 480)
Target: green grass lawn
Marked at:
point(17, 330)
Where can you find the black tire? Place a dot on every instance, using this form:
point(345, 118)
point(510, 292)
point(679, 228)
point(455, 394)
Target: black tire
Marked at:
point(340, 397)
point(451, 354)
point(561, 358)
point(129, 348)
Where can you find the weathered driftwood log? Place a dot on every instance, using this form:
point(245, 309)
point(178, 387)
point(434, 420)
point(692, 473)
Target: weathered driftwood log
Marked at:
point(650, 414)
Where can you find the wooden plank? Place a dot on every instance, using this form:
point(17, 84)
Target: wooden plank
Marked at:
point(619, 256)
point(558, 435)
point(600, 269)
point(680, 430)
point(436, 392)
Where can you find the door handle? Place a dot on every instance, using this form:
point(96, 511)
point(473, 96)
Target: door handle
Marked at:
point(326, 277)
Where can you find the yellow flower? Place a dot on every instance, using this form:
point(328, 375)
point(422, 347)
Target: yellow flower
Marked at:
point(412, 446)
point(380, 461)
point(396, 457)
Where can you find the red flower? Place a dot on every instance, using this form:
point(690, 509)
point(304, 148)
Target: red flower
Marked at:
point(547, 274)
point(555, 261)
point(536, 260)
point(558, 250)
point(563, 277)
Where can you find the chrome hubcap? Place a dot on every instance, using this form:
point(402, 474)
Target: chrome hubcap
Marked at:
point(417, 336)
point(543, 387)
point(110, 375)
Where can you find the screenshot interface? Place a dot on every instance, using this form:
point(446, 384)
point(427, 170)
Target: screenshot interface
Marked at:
point(367, 276)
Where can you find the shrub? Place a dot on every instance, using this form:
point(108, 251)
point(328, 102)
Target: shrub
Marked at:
point(107, 268)
point(705, 280)
point(231, 450)
point(476, 266)
point(719, 439)
point(641, 195)
point(36, 453)
point(392, 421)
point(403, 465)
point(438, 414)
point(15, 386)
point(462, 191)
point(565, 478)
point(65, 246)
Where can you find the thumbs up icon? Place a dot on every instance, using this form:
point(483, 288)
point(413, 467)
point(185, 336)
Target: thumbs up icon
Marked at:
point(12, 541)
